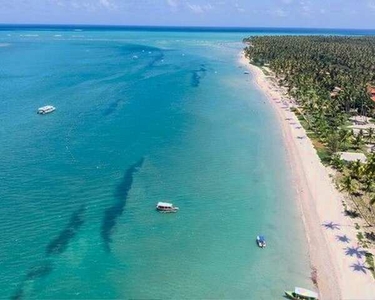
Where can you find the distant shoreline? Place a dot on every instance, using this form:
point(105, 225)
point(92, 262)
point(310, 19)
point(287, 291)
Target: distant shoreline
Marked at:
point(211, 29)
point(319, 201)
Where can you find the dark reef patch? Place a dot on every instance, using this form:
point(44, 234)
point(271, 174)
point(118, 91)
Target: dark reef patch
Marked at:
point(115, 211)
point(34, 273)
point(61, 242)
point(18, 295)
point(39, 271)
point(112, 107)
point(197, 76)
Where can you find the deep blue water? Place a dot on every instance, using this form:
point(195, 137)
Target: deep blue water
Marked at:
point(142, 116)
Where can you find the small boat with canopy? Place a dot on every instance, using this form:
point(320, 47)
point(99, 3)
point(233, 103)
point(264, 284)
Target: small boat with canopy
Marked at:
point(46, 109)
point(301, 294)
point(261, 241)
point(166, 207)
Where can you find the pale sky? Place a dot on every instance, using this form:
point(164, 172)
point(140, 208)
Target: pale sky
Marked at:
point(240, 13)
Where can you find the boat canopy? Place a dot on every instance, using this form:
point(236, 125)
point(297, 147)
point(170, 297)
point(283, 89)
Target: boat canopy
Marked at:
point(305, 293)
point(262, 238)
point(165, 204)
point(47, 107)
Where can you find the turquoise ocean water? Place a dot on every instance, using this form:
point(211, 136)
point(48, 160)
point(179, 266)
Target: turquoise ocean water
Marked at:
point(142, 116)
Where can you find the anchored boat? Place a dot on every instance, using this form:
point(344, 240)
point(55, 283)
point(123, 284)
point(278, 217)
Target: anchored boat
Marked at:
point(46, 109)
point(301, 294)
point(166, 207)
point(261, 241)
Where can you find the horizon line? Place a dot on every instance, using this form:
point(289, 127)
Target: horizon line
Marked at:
point(181, 26)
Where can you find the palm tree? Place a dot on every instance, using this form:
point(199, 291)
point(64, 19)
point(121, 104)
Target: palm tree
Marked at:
point(369, 184)
point(349, 186)
point(344, 136)
point(356, 169)
point(337, 162)
point(333, 143)
point(358, 141)
point(370, 134)
point(371, 204)
point(370, 166)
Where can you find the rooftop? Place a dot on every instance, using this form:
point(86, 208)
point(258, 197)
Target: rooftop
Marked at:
point(165, 204)
point(46, 107)
point(353, 156)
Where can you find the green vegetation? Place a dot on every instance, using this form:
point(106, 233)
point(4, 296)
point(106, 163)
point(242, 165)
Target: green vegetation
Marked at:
point(370, 262)
point(331, 79)
point(313, 66)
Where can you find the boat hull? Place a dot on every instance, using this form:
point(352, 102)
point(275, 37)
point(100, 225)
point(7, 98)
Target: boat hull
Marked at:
point(167, 210)
point(291, 295)
point(165, 207)
point(45, 112)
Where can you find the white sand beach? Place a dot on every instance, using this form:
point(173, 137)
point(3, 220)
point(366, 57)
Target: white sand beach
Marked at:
point(333, 248)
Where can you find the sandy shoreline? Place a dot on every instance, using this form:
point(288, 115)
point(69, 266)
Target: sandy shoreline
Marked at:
point(339, 271)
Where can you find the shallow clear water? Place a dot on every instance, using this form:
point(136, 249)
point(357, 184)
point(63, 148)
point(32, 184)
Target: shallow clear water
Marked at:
point(141, 117)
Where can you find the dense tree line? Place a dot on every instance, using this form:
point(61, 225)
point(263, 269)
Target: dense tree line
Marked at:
point(312, 66)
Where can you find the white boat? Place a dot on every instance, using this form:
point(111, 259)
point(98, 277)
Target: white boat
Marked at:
point(246, 72)
point(166, 207)
point(301, 294)
point(46, 109)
